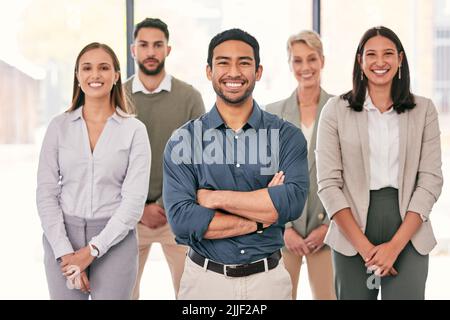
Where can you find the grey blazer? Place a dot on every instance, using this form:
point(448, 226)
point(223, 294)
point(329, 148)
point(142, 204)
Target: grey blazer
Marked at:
point(343, 167)
point(313, 213)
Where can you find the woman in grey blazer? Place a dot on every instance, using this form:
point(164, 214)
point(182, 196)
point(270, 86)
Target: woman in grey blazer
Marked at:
point(304, 237)
point(379, 173)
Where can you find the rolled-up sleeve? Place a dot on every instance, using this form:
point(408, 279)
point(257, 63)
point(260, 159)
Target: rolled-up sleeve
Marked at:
point(329, 161)
point(133, 192)
point(188, 220)
point(429, 174)
point(290, 197)
point(48, 192)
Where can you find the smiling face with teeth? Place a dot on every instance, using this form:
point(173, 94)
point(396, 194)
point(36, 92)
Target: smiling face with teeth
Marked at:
point(233, 72)
point(96, 74)
point(380, 61)
point(306, 64)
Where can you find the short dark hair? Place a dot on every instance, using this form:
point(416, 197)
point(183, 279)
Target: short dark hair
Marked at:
point(400, 92)
point(234, 34)
point(152, 23)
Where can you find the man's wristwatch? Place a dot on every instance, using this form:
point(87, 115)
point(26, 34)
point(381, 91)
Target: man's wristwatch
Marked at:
point(94, 251)
point(259, 227)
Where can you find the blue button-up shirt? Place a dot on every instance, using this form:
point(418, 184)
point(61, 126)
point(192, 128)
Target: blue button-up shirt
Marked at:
point(205, 154)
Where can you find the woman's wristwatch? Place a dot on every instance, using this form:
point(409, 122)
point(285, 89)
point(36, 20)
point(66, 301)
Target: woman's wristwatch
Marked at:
point(94, 251)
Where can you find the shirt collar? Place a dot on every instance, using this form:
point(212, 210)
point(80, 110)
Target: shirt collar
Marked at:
point(369, 106)
point(254, 121)
point(118, 116)
point(165, 85)
point(76, 114)
point(255, 118)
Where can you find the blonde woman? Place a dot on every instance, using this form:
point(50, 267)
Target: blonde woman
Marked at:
point(304, 236)
point(92, 184)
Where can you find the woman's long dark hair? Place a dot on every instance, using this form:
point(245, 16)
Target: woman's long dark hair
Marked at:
point(400, 92)
point(117, 95)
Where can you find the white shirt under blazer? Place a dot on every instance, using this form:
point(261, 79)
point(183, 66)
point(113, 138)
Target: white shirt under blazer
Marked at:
point(383, 146)
point(344, 171)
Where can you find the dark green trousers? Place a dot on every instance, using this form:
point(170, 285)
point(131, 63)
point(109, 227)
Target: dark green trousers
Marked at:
point(353, 280)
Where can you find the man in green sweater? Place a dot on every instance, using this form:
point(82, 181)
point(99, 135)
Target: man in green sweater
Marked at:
point(164, 104)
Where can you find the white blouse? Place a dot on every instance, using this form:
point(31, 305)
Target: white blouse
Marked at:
point(111, 182)
point(383, 145)
point(308, 132)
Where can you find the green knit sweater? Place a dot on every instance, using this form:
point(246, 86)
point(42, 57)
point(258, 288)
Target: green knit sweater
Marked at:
point(163, 113)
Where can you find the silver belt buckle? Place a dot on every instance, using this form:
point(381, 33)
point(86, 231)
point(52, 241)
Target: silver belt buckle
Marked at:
point(266, 265)
point(225, 271)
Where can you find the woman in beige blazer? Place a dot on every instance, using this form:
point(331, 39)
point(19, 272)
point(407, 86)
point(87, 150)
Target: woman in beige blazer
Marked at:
point(379, 173)
point(304, 237)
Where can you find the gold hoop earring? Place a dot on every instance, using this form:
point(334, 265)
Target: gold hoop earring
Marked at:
point(400, 73)
point(362, 75)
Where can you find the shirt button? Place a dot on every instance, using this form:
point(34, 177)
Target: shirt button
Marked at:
point(236, 137)
point(242, 251)
point(238, 165)
point(321, 216)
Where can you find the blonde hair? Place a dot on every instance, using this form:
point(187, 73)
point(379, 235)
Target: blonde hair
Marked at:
point(308, 37)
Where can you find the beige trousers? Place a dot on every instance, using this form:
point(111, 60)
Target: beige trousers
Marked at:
point(320, 273)
point(198, 283)
point(175, 254)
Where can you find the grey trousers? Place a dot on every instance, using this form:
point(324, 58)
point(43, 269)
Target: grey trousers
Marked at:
point(353, 280)
point(111, 277)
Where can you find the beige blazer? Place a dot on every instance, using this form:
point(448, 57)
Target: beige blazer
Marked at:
point(343, 167)
point(313, 213)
